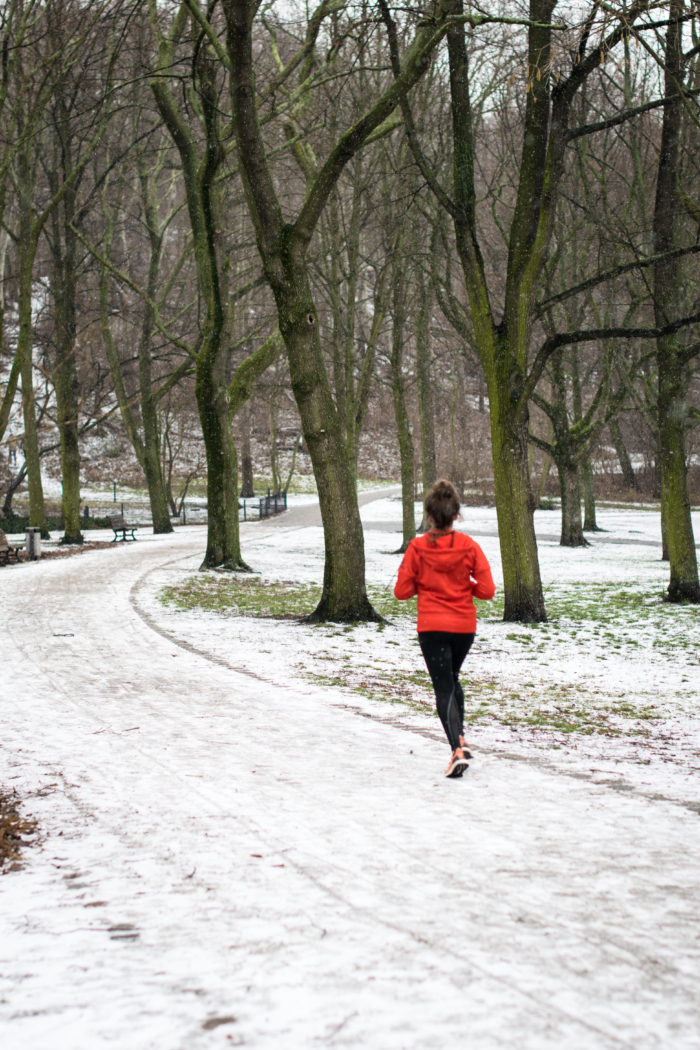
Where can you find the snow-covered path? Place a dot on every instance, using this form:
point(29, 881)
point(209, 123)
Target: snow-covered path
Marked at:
point(231, 863)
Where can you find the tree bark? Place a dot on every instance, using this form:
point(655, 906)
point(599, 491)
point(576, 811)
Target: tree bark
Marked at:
point(202, 197)
point(503, 348)
point(524, 598)
point(425, 390)
point(26, 250)
point(247, 479)
point(684, 585)
point(571, 531)
point(63, 252)
point(589, 520)
point(152, 463)
point(403, 427)
point(282, 246)
point(344, 597)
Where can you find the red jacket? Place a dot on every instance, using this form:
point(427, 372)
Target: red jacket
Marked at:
point(445, 571)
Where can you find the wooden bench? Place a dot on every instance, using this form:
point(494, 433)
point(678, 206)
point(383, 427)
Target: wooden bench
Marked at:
point(8, 549)
point(118, 523)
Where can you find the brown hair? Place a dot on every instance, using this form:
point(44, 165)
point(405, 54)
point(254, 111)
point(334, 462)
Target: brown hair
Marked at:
point(442, 503)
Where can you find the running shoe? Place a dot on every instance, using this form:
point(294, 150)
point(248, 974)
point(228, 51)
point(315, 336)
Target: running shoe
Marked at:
point(456, 767)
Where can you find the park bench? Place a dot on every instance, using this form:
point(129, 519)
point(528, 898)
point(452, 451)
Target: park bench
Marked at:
point(8, 549)
point(119, 524)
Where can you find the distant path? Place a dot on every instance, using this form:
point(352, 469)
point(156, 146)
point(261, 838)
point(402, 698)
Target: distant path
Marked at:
point(310, 514)
point(223, 856)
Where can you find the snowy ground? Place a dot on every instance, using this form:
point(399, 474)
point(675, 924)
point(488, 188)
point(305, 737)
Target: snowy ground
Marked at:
point(254, 845)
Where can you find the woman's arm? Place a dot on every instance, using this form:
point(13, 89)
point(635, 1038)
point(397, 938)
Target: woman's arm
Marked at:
point(406, 584)
point(481, 574)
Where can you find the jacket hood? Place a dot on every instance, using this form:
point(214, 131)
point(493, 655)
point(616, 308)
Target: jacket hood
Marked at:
point(445, 553)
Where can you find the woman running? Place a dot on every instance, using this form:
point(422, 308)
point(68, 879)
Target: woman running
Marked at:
point(446, 569)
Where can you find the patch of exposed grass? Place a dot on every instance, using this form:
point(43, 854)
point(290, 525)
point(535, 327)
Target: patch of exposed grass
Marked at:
point(242, 596)
point(486, 703)
point(250, 596)
point(410, 689)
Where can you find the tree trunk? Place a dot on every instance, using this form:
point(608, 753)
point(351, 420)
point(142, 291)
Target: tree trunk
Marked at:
point(274, 451)
point(25, 345)
point(283, 246)
point(403, 426)
point(63, 250)
point(571, 531)
point(628, 474)
point(675, 502)
point(524, 598)
point(223, 540)
point(67, 393)
point(202, 194)
point(673, 379)
point(8, 398)
point(247, 480)
point(503, 347)
point(153, 469)
point(152, 462)
point(425, 392)
point(589, 522)
point(664, 534)
point(344, 597)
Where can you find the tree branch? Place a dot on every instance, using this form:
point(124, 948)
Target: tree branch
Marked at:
point(628, 114)
point(254, 365)
point(588, 336)
point(617, 271)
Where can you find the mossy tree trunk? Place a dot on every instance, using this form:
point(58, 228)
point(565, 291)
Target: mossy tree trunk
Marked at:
point(7, 399)
point(589, 516)
point(64, 292)
point(403, 424)
point(344, 597)
point(504, 346)
point(425, 388)
point(586, 469)
point(26, 252)
point(673, 377)
point(247, 479)
point(283, 246)
point(564, 454)
point(571, 530)
point(202, 194)
point(152, 462)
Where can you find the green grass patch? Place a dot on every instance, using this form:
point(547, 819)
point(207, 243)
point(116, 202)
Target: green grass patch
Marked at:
point(250, 596)
point(242, 596)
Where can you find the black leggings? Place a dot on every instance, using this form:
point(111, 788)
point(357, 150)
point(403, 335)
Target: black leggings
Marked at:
point(444, 654)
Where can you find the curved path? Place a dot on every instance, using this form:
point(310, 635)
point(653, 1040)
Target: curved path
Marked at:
point(229, 863)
